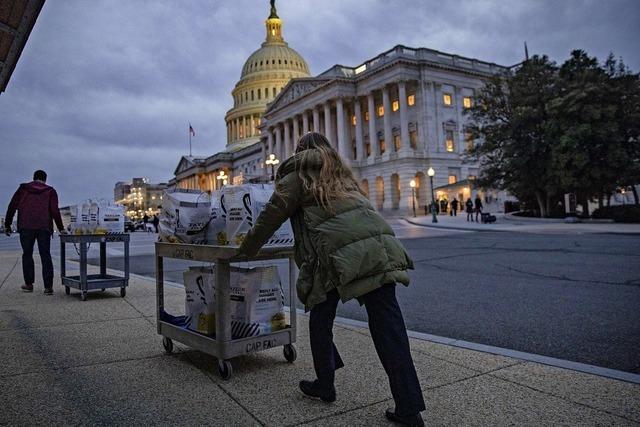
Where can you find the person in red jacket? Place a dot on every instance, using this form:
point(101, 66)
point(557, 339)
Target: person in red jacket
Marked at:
point(37, 206)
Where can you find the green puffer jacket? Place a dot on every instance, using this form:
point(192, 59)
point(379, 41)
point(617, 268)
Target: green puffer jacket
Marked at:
point(352, 249)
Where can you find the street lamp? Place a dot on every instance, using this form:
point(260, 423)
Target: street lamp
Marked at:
point(222, 177)
point(273, 162)
point(412, 184)
point(431, 173)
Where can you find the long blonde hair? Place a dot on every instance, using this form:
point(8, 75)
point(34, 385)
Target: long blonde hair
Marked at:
point(334, 181)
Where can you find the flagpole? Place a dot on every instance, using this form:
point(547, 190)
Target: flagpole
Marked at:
point(189, 139)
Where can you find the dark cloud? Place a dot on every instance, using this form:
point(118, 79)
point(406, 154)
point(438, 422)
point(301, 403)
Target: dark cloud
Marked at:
point(104, 89)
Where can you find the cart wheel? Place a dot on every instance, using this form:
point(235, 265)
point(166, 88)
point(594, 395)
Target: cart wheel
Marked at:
point(123, 292)
point(225, 369)
point(83, 296)
point(290, 353)
point(67, 290)
point(167, 343)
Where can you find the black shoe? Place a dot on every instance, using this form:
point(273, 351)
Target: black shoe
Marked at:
point(414, 420)
point(48, 291)
point(27, 288)
point(314, 389)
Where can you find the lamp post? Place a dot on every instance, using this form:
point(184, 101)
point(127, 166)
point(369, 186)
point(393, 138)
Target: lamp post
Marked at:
point(273, 162)
point(412, 184)
point(222, 177)
point(431, 173)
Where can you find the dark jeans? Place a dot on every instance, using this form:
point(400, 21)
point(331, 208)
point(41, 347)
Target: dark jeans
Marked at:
point(28, 239)
point(389, 336)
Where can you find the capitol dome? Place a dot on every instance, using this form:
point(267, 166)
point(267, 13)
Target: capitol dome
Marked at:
point(264, 74)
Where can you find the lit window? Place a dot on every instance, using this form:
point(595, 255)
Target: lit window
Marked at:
point(353, 120)
point(380, 111)
point(366, 116)
point(452, 179)
point(473, 177)
point(383, 146)
point(466, 101)
point(395, 105)
point(397, 142)
point(449, 141)
point(413, 139)
point(446, 98)
point(411, 100)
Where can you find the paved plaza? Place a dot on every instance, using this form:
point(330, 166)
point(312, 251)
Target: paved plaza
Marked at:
point(70, 362)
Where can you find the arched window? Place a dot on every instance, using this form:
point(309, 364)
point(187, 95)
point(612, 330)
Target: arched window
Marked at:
point(252, 98)
point(259, 93)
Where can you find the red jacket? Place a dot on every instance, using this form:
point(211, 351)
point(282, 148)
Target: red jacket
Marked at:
point(37, 206)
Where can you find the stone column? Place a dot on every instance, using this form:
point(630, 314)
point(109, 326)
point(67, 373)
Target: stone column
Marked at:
point(327, 120)
point(357, 111)
point(278, 150)
point(270, 148)
point(296, 134)
point(316, 119)
point(263, 154)
point(404, 119)
point(287, 141)
point(342, 143)
point(373, 134)
point(305, 122)
point(388, 191)
point(244, 126)
point(388, 135)
point(253, 126)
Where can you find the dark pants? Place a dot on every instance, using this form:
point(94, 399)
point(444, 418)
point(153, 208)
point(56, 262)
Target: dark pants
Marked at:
point(28, 239)
point(389, 336)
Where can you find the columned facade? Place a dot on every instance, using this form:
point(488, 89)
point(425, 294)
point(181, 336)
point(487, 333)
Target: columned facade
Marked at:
point(390, 119)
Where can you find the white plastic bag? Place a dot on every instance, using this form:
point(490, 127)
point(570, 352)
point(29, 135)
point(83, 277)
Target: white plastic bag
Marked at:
point(243, 204)
point(110, 218)
point(259, 301)
point(185, 216)
point(199, 300)
point(80, 218)
point(256, 303)
point(216, 230)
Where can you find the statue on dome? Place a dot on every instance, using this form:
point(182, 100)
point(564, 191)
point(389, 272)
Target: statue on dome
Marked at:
point(274, 14)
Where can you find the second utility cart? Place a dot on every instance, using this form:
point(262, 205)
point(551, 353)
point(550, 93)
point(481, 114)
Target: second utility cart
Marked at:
point(222, 346)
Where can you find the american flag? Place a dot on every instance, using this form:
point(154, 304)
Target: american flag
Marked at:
point(191, 131)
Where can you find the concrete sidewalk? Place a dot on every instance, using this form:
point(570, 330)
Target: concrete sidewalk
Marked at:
point(100, 362)
point(524, 225)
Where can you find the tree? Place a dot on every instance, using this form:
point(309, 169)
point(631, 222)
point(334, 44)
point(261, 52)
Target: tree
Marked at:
point(509, 120)
point(587, 124)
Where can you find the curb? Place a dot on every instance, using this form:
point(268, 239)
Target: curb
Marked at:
point(445, 227)
point(515, 354)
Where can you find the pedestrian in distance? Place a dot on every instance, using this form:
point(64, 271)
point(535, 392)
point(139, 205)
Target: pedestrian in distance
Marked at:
point(156, 222)
point(469, 206)
point(37, 207)
point(478, 207)
point(454, 207)
point(344, 250)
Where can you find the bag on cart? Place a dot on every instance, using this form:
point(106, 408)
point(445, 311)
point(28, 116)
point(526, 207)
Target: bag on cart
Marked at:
point(259, 301)
point(243, 204)
point(216, 231)
point(200, 300)
point(256, 303)
point(185, 216)
point(79, 223)
point(110, 217)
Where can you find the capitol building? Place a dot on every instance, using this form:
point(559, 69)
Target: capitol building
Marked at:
point(391, 118)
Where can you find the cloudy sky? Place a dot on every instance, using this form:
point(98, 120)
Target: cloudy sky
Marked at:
point(104, 90)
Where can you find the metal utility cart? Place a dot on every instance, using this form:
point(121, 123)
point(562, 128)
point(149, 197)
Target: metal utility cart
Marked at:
point(87, 282)
point(222, 346)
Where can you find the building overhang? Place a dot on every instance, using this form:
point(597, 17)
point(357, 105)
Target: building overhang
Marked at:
point(17, 18)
